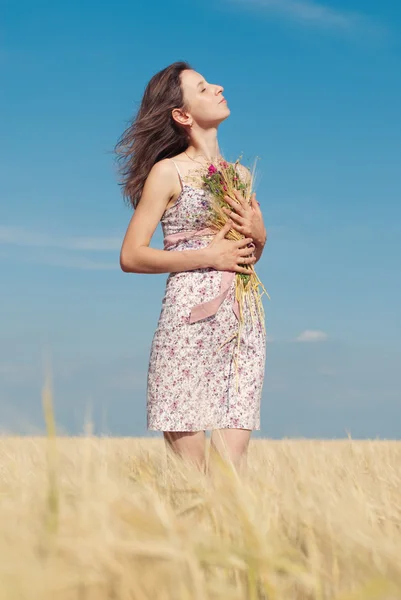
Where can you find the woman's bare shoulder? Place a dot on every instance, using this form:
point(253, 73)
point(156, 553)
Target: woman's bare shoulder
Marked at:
point(164, 173)
point(164, 167)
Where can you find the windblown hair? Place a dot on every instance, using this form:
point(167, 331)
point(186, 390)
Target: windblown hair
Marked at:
point(152, 134)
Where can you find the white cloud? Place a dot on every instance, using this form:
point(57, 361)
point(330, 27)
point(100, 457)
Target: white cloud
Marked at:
point(18, 236)
point(311, 335)
point(308, 11)
point(66, 251)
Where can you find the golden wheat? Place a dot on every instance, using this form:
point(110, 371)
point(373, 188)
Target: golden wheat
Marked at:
point(94, 518)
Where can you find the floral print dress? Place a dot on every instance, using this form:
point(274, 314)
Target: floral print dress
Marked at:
point(191, 382)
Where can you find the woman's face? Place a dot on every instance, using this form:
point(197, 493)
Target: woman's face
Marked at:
point(205, 101)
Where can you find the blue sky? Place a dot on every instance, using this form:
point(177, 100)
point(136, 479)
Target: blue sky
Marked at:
point(315, 91)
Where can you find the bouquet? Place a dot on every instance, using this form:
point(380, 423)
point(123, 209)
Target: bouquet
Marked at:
point(223, 179)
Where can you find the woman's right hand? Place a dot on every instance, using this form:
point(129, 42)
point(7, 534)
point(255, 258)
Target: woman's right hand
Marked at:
point(228, 255)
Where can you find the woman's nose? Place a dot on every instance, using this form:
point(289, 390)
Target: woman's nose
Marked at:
point(220, 89)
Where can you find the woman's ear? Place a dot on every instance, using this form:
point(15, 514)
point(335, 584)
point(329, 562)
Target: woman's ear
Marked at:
point(181, 117)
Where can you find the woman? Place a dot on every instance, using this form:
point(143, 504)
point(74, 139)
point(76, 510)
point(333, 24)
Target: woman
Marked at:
point(191, 383)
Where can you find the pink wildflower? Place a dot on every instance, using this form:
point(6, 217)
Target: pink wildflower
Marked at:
point(212, 169)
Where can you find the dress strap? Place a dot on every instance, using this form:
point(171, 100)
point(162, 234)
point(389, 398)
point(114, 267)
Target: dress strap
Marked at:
point(178, 171)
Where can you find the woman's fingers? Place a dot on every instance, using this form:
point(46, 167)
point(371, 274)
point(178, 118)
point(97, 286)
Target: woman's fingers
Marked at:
point(224, 230)
point(246, 259)
point(243, 242)
point(240, 197)
point(233, 215)
point(246, 251)
point(237, 206)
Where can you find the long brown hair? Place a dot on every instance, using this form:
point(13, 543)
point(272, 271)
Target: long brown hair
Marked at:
point(153, 134)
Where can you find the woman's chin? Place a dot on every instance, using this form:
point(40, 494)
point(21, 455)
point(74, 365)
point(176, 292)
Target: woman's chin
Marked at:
point(225, 114)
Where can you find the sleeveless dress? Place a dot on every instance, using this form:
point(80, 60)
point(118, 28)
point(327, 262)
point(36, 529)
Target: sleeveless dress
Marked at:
point(191, 384)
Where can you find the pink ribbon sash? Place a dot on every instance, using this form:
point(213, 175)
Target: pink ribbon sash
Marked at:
point(209, 308)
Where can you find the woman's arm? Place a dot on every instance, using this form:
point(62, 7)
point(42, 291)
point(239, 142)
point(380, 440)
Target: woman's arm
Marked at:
point(135, 255)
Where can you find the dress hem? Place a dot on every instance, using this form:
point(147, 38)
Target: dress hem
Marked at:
point(251, 428)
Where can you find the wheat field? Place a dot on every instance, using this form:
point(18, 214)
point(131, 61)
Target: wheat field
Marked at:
point(92, 518)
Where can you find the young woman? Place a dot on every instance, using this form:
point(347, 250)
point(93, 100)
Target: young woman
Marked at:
point(191, 384)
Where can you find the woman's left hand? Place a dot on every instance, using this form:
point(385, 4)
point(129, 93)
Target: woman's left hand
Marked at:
point(247, 218)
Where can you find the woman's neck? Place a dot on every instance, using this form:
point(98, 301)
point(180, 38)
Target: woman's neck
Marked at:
point(204, 145)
